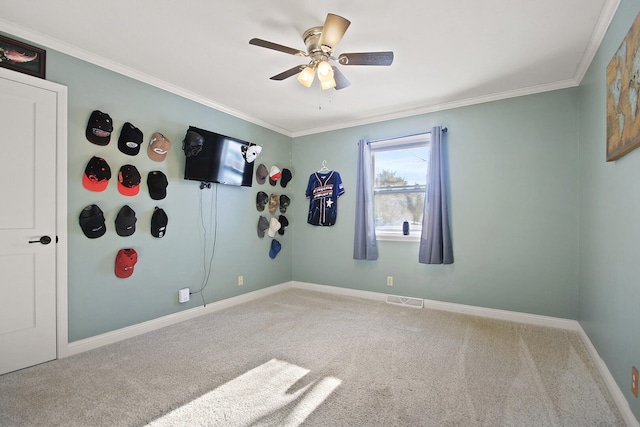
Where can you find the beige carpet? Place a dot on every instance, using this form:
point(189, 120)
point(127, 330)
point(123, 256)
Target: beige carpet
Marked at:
point(313, 359)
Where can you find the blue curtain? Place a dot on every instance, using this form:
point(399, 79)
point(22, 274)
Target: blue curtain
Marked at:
point(365, 245)
point(435, 242)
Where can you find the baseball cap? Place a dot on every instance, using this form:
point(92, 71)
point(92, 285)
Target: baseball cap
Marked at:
point(286, 177)
point(99, 128)
point(274, 175)
point(92, 222)
point(273, 203)
point(274, 226)
point(158, 148)
point(263, 225)
point(126, 259)
point(284, 222)
point(251, 152)
point(126, 221)
point(96, 175)
point(128, 180)
point(261, 200)
point(157, 183)
point(130, 139)
point(261, 174)
point(284, 203)
point(275, 248)
point(159, 221)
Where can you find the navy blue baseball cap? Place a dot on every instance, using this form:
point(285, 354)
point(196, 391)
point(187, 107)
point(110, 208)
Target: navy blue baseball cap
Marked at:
point(275, 248)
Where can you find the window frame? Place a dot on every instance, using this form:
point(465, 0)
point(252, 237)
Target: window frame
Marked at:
point(394, 144)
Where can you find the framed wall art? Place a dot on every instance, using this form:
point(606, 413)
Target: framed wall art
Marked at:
point(623, 85)
point(22, 57)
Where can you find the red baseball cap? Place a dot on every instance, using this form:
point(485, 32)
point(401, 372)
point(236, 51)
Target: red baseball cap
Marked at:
point(125, 261)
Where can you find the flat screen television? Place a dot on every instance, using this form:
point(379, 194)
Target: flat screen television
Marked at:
point(220, 161)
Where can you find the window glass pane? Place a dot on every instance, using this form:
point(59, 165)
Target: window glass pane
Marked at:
point(404, 167)
point(400, 179)
point(392, 209)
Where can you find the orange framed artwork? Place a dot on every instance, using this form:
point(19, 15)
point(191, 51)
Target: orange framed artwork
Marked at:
point(623, 85)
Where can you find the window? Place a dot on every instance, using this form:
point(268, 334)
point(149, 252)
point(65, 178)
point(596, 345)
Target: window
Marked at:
point(399, 184)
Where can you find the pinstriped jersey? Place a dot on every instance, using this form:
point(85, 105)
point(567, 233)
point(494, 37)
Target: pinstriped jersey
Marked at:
point(323, 191)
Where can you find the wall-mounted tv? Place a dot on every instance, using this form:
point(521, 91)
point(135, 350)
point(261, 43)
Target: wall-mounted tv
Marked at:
point(220, 160)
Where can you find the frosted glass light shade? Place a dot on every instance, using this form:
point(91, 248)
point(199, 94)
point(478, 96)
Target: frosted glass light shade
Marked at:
point(328, 84)
point(325, 73)
point(306, 76)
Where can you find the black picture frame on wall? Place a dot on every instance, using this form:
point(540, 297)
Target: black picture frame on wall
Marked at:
point(22, 57)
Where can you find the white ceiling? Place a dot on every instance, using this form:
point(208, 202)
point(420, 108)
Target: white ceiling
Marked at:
point(448, 53)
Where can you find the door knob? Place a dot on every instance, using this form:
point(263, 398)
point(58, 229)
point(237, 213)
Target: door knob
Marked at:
point(45, 240)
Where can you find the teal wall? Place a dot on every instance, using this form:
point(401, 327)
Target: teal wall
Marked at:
point(609, 226)
point(98, 301)
point(513, 205)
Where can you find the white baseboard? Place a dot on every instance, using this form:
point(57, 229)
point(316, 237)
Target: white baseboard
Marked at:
point(513, 316)
point(339, 291)
point(612, 385)
point(97, 341)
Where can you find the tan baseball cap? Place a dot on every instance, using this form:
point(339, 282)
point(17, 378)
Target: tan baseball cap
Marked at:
point(158, 148)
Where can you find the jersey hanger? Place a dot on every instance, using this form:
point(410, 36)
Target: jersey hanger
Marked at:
point(324, 167)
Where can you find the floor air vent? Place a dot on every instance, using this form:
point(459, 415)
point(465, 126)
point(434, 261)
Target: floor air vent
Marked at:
point(405, 301)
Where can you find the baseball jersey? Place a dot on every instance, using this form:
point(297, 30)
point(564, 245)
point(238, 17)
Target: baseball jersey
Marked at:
point(323, 191)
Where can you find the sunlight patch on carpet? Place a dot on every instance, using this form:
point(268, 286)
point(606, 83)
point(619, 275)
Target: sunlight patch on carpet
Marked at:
point(262, 396)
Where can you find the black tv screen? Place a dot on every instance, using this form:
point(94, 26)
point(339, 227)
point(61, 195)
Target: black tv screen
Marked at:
point(220, 160)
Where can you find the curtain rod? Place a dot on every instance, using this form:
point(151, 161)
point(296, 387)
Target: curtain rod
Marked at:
point(444, 130)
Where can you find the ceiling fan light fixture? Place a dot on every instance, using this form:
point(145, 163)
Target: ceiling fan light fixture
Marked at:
point(328, 84)
point(306, 76)
point(321, 44)
point(325, 72)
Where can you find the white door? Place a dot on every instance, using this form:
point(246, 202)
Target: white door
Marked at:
point(27, 219)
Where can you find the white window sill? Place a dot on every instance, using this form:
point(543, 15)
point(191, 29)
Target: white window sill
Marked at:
point(398, 237)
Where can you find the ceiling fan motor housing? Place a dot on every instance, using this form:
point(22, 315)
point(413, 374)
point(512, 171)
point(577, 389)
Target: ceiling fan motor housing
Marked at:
point(316, 52)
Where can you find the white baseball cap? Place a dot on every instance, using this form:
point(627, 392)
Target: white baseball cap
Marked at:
point(252, 152)
point(274, 226)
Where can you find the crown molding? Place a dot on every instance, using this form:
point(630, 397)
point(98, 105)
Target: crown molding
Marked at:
point(606, 16)
point(444, 106)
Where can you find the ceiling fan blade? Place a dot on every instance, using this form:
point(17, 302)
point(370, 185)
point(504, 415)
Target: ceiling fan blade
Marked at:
point(290, 72)
point(366, 58)
point(334, 28)
point(341, 80)
point(278, 47)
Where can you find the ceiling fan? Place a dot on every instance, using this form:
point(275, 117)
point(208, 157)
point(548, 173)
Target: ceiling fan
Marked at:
point(321, 43)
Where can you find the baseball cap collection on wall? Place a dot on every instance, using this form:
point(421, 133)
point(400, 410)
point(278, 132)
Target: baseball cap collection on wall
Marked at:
point(98, 174)
point(274, 203)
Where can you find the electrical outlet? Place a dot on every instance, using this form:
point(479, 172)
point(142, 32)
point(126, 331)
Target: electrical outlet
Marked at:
point(389, 280)
point(183, 295)
point(240, 280)
point(634, 381)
